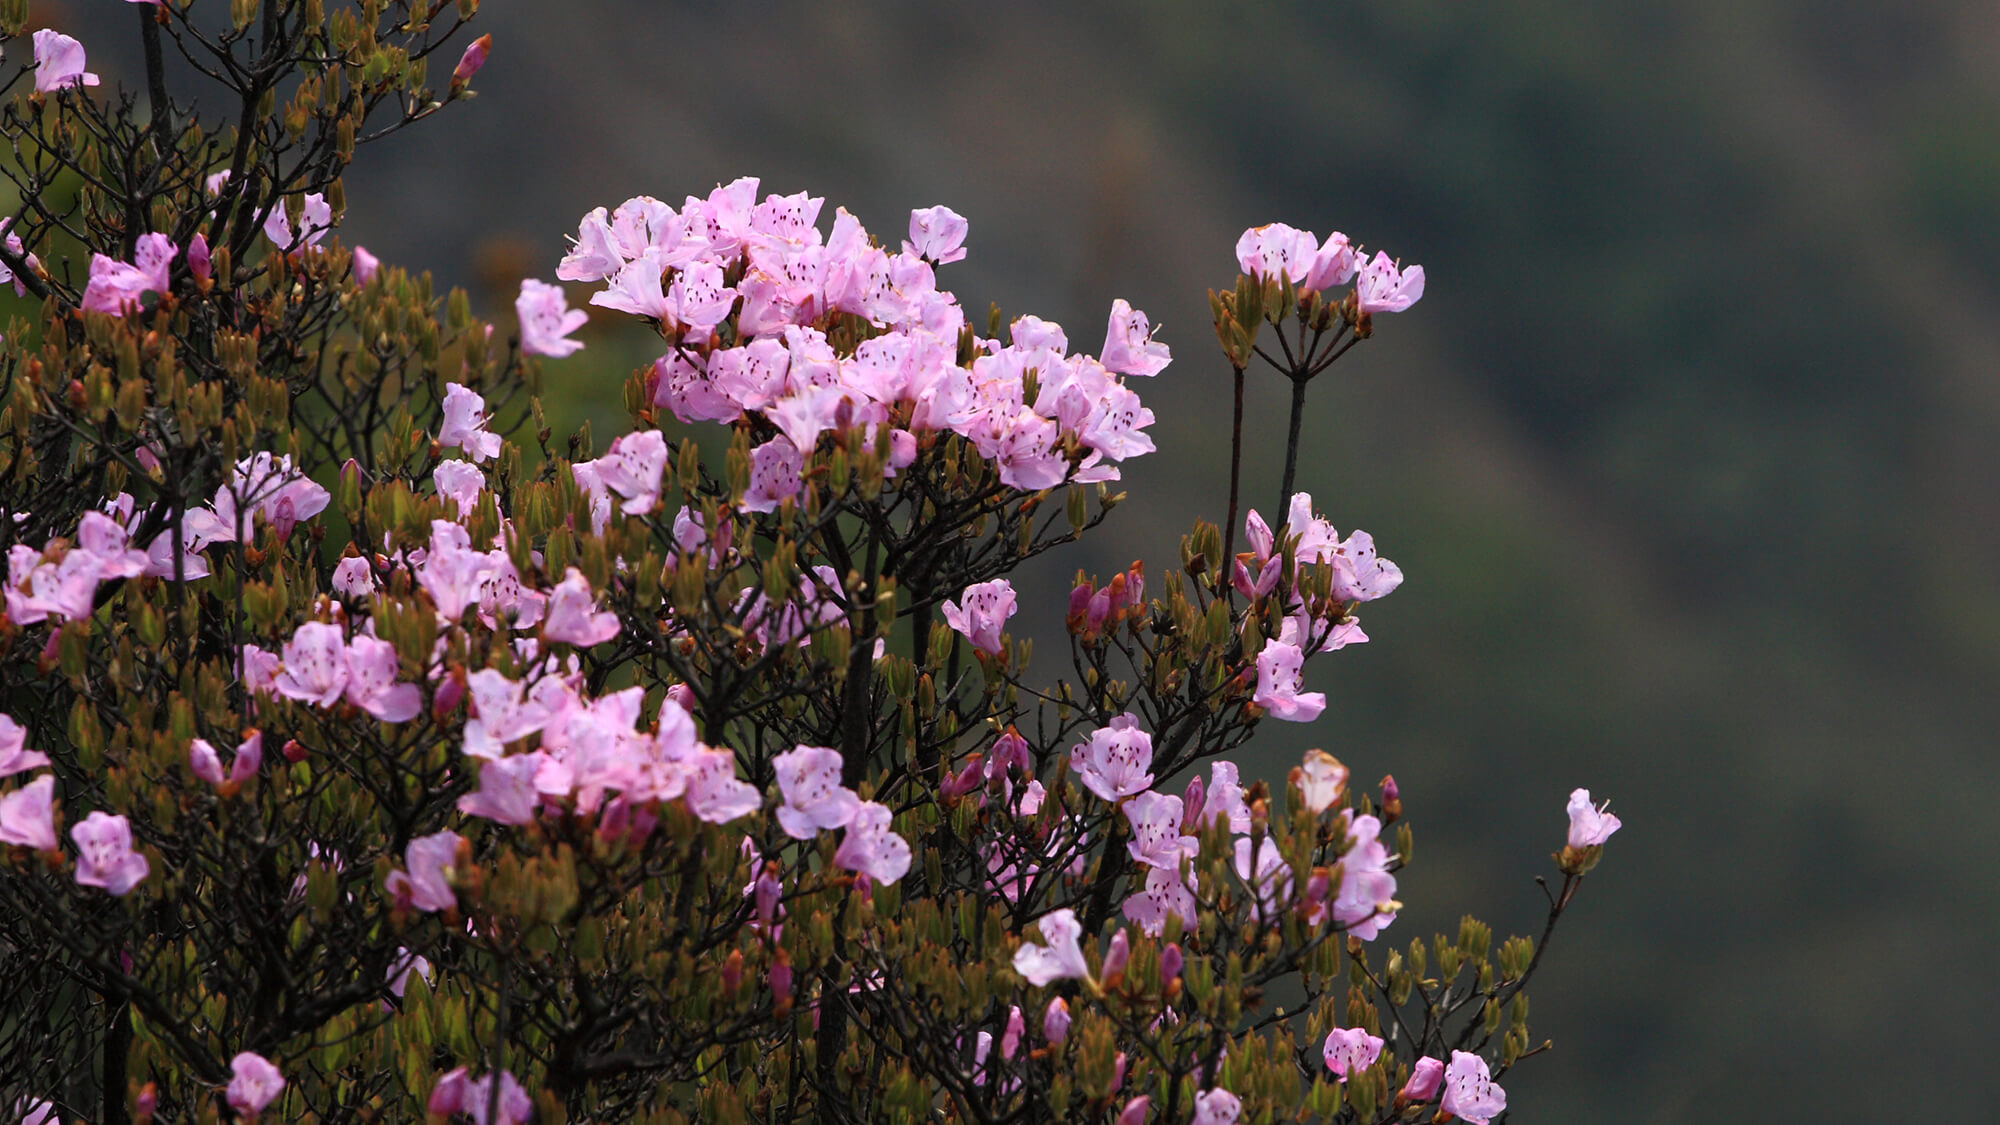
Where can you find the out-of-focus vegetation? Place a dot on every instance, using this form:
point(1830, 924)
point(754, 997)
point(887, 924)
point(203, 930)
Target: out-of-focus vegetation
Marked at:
point(1689, 452)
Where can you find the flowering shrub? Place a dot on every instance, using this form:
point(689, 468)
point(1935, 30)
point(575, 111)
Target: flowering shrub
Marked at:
point(368, 758)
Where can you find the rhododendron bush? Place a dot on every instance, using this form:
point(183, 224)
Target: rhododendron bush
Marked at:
point(366, 756)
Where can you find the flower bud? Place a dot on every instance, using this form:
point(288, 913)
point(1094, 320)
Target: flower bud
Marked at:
point(781, 983)
point(769, 891)
point(1135, 1111)
point(448, 1096)
point(294, 751)
point(144, 1105)
point(1424, 1081)
point(1392, 800)
point(1191, 801)
point(1079, 605)
point(470, 62)
point(1171, 962)
point(1118, 1066)
point(1115, 958)
point(1010, 1040)
point(1055, 1021)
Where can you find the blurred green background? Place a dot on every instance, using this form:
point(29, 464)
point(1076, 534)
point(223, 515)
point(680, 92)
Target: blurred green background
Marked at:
point(1688, 452)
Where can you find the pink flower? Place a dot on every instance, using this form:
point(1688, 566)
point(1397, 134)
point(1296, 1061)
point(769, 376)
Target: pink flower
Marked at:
point(1276, 250)
point(547, 320)
point(464, 423)
point(774, 475)
point(698, 299)
point(1322, 780)
point(1217, 1107)
point(470, 62)
point(448, 1095)
point(1135, 1111)
point(15, 247)
point(1224, 798)
point(315, 219)
point(815, 801)
point(354, 578)
point(937, 234)
point(633, 468)
point(572, 614)
point(1366, 902)
point(1010, 1037)
point(461, 482)
point(315, 665)
point(1280, 669)
point(366, 265)
point(1350, 1050)
point(506, 793)
point(1383, 288)
point(1060, 959)
point(1332, 266)
point(987, 607)
point(871, 847)
point(115, 287)
point(1589, 826)
point(59, 62)
point(1425, 1078)
point(1129, 347)
point(427, 884)
point(499, 715)
point(15, 756)
point(1114, 764)
point(27, 815)
point(1269, 877)
point(253, 1083)
point(714, 793)
point(371, 682)
point(1469, 1090)
point(1156, 831)
point(104, 855)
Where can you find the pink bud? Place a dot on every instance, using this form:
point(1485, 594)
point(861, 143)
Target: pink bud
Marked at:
point(144, 1105)
point(147, 458)
point(1191, 802)
point(450, 691)
point(864, 886)
point(683, 695)
point(294, 751)
point(1099, 609)
point(1135, 1111)
point(470, 62)
point(1424, 1081)
point(769, 890)
point(1079, 605)
point(966, 781)
point(249, 757)
point(732, 972)
point(1171, 961)
point(197, 257)
point(1009, 751)
point(1010, 1040)
point(366, 265)
point(1116, 955)
point(284, 516)
point(1135, 585)
point(1117, 1073)
point(1055, 1021)
point(204, 761)
point(781, 982)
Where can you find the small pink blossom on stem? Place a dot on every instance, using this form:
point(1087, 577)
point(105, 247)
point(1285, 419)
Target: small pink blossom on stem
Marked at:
point(547, 320)
point(1332, 266)
point(315, 665)
point(315, 219)
point(1115, 763)
point(1350, 1050)
point(1129, 347)
point(354, 578)
point(59, 62)
point(1055, 1021)
point(1469, 1090)
point(871, 847)
point(1276, 250)
point(815, 801)
point(464, 423)
point(1156, 831)
point(27, 815)
point(1135, 1111)
point(1425, 1078)
point(572, 614)
point(1061, 958)
point(104, 855)
point(254, 1083)
point(1384, 288)
point(426, 885)
point(937, 234)
point(506, 793)
point(1280, 670)
point(1589, 825)
point(371, 682)
point(987, 606)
